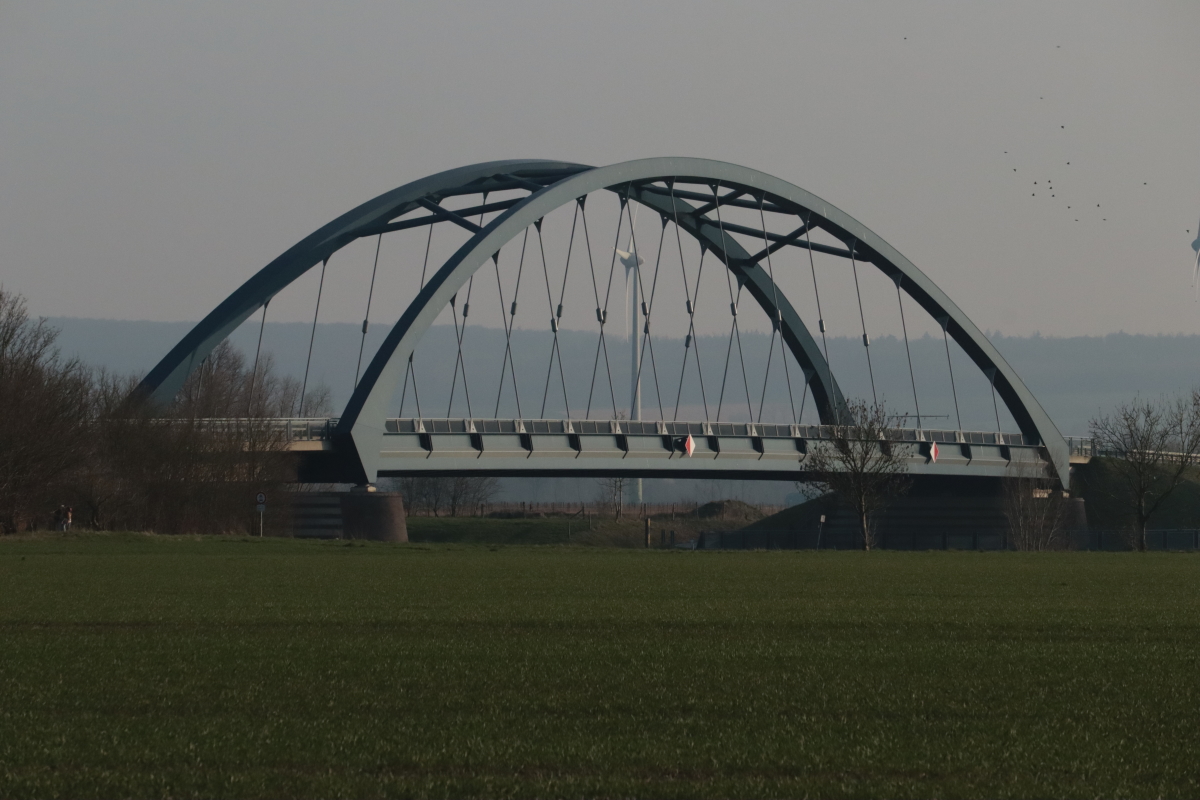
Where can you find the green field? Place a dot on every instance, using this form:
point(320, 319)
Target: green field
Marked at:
point(150, 666)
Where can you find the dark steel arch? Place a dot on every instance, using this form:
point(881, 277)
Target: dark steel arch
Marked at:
point(554, 184)
point(163, 382)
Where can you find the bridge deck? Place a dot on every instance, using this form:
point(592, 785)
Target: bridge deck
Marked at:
point(652, 449)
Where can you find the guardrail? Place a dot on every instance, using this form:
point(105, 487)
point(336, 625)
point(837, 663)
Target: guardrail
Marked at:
point(1086, 447)
point(321, 428)
point(657, 428)
point(297, 429)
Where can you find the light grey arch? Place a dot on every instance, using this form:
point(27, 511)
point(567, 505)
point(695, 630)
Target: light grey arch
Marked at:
point(361, 428)
point(375, 216)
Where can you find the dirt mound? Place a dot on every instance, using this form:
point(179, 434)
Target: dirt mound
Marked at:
point(728, 509)
point(805, 515)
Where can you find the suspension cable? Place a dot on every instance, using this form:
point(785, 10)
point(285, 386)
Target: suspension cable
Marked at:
point(554, 328)
point(691, 340)
point(200, 385)
point(648, 305)
point(820, 320)
point(945, 321)
point(404, 389)
point(602, 314)
point(649, 342)
point(733, 306)
point(459, 360)
point(862, 316)
point(600, 344)
point(461, 334)
point(904, 327)
point(995, 405)
point(411, 369)
point(254, 373)
point(776, 323)
point(313, 337)
point(367, 316)
point(689, 296)
point(508, 326)
point(804, 393)
point(404, 393)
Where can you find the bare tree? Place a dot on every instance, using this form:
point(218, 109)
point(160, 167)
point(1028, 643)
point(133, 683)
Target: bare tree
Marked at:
point(860, 466)
point(612, 494)
point(467, 492)
point(454, 495)
point(1035, 506)
point(195, 465)
point(44, 415)
point(1153, 445)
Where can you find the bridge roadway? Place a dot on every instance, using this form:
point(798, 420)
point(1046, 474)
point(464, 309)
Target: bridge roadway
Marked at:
point(599, 448)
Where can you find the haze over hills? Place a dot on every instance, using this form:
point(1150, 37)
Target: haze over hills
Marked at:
point(1074, 378)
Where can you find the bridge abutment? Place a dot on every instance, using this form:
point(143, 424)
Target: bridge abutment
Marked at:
point(357, 514)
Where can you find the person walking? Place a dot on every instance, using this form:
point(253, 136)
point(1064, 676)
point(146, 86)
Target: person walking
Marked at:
point(68, 518)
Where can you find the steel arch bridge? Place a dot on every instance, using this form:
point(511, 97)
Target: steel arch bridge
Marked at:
point(696, 197)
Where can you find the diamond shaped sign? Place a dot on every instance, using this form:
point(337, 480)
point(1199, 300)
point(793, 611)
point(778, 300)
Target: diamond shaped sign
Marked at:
point(933, 452)
point(689, 445)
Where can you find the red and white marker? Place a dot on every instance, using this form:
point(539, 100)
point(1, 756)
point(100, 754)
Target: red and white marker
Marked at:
point(689, 445)
point(933, 452)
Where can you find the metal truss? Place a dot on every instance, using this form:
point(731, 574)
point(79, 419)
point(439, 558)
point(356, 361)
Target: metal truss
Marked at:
point(687, 191)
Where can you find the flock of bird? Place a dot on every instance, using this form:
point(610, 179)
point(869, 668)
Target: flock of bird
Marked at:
point(1047, 187)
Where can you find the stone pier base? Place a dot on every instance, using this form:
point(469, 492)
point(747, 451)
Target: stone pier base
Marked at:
point(378, 516)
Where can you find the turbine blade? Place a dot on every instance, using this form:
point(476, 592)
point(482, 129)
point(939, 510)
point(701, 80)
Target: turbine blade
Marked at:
point(1195, 273)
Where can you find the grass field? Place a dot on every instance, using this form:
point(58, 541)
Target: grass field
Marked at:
point(600, 530)
point(147, 666)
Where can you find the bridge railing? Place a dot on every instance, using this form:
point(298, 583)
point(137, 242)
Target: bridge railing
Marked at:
point(320, 428)
point(297, 429)
point(1082, 446)
point(1087, 447)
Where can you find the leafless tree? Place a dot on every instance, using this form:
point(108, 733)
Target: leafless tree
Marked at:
point(467, 492)
point(68, 435)
point(195, 465)
point(1153, 445)
point(455, 495)
point(612, 494)
point(1035, 507)
point(44, 414)
point(859, 465)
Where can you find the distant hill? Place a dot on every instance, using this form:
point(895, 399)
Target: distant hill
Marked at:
point(1074, 378)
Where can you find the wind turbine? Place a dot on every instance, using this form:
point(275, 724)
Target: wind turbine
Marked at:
point(1196, 269)
point(632, 262)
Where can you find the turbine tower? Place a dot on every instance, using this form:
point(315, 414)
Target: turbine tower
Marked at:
point(632, 262)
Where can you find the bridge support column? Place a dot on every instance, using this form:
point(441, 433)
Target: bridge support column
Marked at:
point(378, 516)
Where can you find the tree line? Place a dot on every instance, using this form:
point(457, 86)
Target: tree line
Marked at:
point(1151, 446)
point(79, 438)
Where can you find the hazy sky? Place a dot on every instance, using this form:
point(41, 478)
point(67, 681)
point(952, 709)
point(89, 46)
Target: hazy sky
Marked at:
point(154, 155)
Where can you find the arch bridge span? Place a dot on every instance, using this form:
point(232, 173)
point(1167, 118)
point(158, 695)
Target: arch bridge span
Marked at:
point(697, 197)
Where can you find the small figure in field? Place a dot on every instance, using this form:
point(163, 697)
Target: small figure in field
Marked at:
point(67, 518)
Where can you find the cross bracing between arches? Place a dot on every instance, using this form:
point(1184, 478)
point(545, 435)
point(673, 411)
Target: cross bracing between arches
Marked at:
point(690, 193)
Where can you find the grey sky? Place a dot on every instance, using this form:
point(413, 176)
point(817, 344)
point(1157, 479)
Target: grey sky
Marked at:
point(154, 155)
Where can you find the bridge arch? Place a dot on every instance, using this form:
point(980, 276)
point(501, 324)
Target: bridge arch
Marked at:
point(555, 184)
